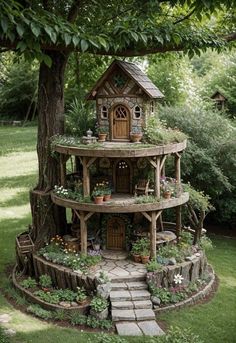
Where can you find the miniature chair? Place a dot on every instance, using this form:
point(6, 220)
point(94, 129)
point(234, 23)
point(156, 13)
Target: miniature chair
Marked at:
point(142, 188)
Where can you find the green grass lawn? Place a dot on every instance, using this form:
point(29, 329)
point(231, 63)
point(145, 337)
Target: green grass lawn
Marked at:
point(214, 322)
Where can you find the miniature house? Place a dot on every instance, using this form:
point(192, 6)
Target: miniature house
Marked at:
point(219, 100)
point(124, 96)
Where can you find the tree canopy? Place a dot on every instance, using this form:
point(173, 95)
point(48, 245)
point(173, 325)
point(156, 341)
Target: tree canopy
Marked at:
point(123, 28)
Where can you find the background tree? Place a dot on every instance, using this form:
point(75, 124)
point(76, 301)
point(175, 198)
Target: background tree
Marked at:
point(50, 30)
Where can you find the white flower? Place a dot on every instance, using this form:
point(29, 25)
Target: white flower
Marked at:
point(178, 279)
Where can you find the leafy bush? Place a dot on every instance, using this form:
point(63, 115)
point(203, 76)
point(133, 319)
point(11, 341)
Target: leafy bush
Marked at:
point(181, 335)
point(28, 283)
point(45, 281)
point(65, 294)
point(209, 162)
point(60, 315)
point(169, 251)
point(156, 132)
point(98, 304)
point(40, 312)
point(49, 297)
point(206, 243)
point(78, 319)
point(146, 199)
point(153, 265)
point(103, 338)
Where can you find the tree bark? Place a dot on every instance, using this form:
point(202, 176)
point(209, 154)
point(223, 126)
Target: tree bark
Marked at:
point(48, 219)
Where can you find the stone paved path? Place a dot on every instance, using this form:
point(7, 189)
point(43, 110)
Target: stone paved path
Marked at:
point(122, 269)
point(131, 309)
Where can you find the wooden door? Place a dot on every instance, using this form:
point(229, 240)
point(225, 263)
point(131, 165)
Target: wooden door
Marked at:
point(121, 125)
point(122, 177)
point(116, 233)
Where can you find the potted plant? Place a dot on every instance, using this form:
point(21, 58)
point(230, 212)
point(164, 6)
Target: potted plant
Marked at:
point(145, 256)
point(45, 282)
point(81, 297)
point(107, 191)
point(99, 308)
point(98, 193)
point(102, 133)
point(136, 252)
point(136, 135)
point(144, 249)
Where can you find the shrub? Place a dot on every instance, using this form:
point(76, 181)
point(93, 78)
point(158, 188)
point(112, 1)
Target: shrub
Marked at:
point(205, 243)
point(3, 336)
point(28, 283)
point(78, 319)
point(60, 315)
point(48, 297)
point(98, 304)
point(180, 335)
point(45, 281)
point(40, 312)
point(103, 338)
point(153, 265)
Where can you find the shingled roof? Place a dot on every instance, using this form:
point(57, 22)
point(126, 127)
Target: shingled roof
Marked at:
point(133, 72)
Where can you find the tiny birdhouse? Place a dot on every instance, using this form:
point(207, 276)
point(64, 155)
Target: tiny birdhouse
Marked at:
point(124, 96)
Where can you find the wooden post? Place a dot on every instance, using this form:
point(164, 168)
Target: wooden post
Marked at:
point(177, 168)
point(84, 234)
point(157, 178)
point(86, 179)
point(153, 235)
point(178, 220)
point(63, 170)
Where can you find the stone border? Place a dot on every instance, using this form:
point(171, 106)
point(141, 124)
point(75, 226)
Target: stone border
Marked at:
point(194, 298)
point(36, 300)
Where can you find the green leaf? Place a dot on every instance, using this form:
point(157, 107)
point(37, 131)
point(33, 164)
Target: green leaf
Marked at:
point(159, 39)
point(67, 38)
point(47, 60)
point(21, 46)
point(35, 29)
point(84, 45)
point(143, 37)
point(75, 40)
point(134, 36)
point(4, 24)
point(20, 29)
point(102, 41)
point(11, 36)
point(53, 37)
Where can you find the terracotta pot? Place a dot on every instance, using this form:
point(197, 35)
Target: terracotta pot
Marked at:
point(145, 259)
point(102, 137)
point(98, 200)
point(167, 195)
point(107, 197)
point(136, 137)
point(137, 258)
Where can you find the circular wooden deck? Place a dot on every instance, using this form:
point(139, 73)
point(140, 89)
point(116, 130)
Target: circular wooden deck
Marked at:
point(121, 203)
point(121, 150)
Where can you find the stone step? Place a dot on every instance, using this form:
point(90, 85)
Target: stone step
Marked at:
point(124, 295)
point(131, 315)
point(138, 277)
point(147, 328)
point(129, 305)
point(135, 285)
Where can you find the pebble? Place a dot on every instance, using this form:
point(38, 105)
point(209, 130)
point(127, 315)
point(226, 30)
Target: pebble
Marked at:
point(65, 304)
point(155, 300)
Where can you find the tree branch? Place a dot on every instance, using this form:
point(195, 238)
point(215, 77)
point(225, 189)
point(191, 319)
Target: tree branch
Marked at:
point(185, 17)
point(74, 11)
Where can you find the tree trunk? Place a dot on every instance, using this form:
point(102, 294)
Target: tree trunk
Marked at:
point(48, 219)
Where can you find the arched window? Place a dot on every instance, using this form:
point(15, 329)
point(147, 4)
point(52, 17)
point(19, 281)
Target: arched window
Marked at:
point(104, 112)
point(137, 112)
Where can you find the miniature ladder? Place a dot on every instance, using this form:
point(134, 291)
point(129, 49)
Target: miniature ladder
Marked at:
point(131, 309)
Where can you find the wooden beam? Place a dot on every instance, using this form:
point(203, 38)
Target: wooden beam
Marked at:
point(88, 215)
point(77, 213)
point(157, 191)
point(146, 215)
point(161, 223)
point(83, 233)
point(153, 235)
point(90, 161)
point(163, 159)
point(178, 221)
point(152, 162)
point(158, 214)
point(86, 179)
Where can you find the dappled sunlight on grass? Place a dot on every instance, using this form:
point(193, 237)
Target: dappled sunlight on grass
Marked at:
point(14, 164)
point(9, 193)
point(14, 212)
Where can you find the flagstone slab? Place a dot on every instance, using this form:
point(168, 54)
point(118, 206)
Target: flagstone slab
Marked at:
point(120, 295)
point(142, 304)
point(128, 329)
point(144, 314)
point(122, 305)
point(118, 315)
point(150, 328)
point(140, 295)
point(137, 285)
